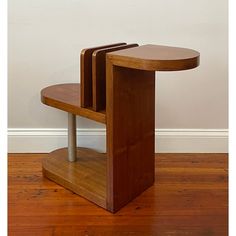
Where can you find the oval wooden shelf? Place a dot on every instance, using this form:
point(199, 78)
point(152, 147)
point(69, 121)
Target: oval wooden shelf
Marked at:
point(86, 176)
point(156, 58)
point(66, 97)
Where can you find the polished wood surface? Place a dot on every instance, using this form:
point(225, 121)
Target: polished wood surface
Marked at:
point(86, 73)
point(66, 97)
point(156, 58)
point(99, 75)
point(130, 133)
point(189, 198)
point(86, 176)
point(129, 114)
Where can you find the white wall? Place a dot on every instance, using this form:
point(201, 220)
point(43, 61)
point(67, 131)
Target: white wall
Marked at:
point(46, 37)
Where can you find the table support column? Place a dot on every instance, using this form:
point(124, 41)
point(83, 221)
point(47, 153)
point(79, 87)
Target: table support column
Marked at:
point(72, 137)
point(130, 114)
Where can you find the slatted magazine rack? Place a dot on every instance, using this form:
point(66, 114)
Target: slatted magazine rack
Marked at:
point(117, 89)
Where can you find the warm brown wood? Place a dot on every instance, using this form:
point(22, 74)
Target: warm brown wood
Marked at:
point(86, 73)
point(99, 75)
point(66, 97)
point(189, 198)
point(130, 133)
point(129, 115)
point(86, 176)
point(156, 58)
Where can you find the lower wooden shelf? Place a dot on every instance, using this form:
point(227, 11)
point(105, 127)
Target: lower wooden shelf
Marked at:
point(86, 176)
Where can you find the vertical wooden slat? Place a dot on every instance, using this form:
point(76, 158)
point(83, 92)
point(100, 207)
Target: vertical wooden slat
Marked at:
point(86, 73)
point(99, 75)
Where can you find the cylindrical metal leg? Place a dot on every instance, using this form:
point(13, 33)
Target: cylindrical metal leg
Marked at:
point(72, 150)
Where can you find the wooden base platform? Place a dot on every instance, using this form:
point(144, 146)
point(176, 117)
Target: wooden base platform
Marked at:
point(86, 176)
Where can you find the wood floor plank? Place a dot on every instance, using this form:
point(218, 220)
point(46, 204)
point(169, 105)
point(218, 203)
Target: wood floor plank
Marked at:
point(119, 231)
point(189, 197)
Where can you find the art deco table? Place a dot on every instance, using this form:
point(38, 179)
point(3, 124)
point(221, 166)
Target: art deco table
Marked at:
point(117, 89)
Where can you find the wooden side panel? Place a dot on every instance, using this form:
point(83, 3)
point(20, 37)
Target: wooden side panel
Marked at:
point(99, 75)
point(130, 133)
point(86, 73)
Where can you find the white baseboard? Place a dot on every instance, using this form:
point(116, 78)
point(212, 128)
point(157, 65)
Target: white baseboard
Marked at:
point(22, 140)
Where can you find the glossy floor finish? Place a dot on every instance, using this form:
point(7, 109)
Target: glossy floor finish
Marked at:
point(189, 197)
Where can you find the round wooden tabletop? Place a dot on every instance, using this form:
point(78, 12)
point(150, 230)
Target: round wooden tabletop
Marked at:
point(156, 58)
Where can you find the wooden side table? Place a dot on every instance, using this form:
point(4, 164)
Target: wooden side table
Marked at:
point(113, 179)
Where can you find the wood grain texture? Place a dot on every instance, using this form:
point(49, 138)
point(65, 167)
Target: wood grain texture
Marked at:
point(130, 133)
point(188, 198)
point(66, 97)
point(86, 176)
point(156, 58)
point(129, 115)
point(99, 75)
point(86, 73)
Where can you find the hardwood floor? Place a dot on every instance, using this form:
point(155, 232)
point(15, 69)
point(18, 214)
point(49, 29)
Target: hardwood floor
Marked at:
point(189, 197)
